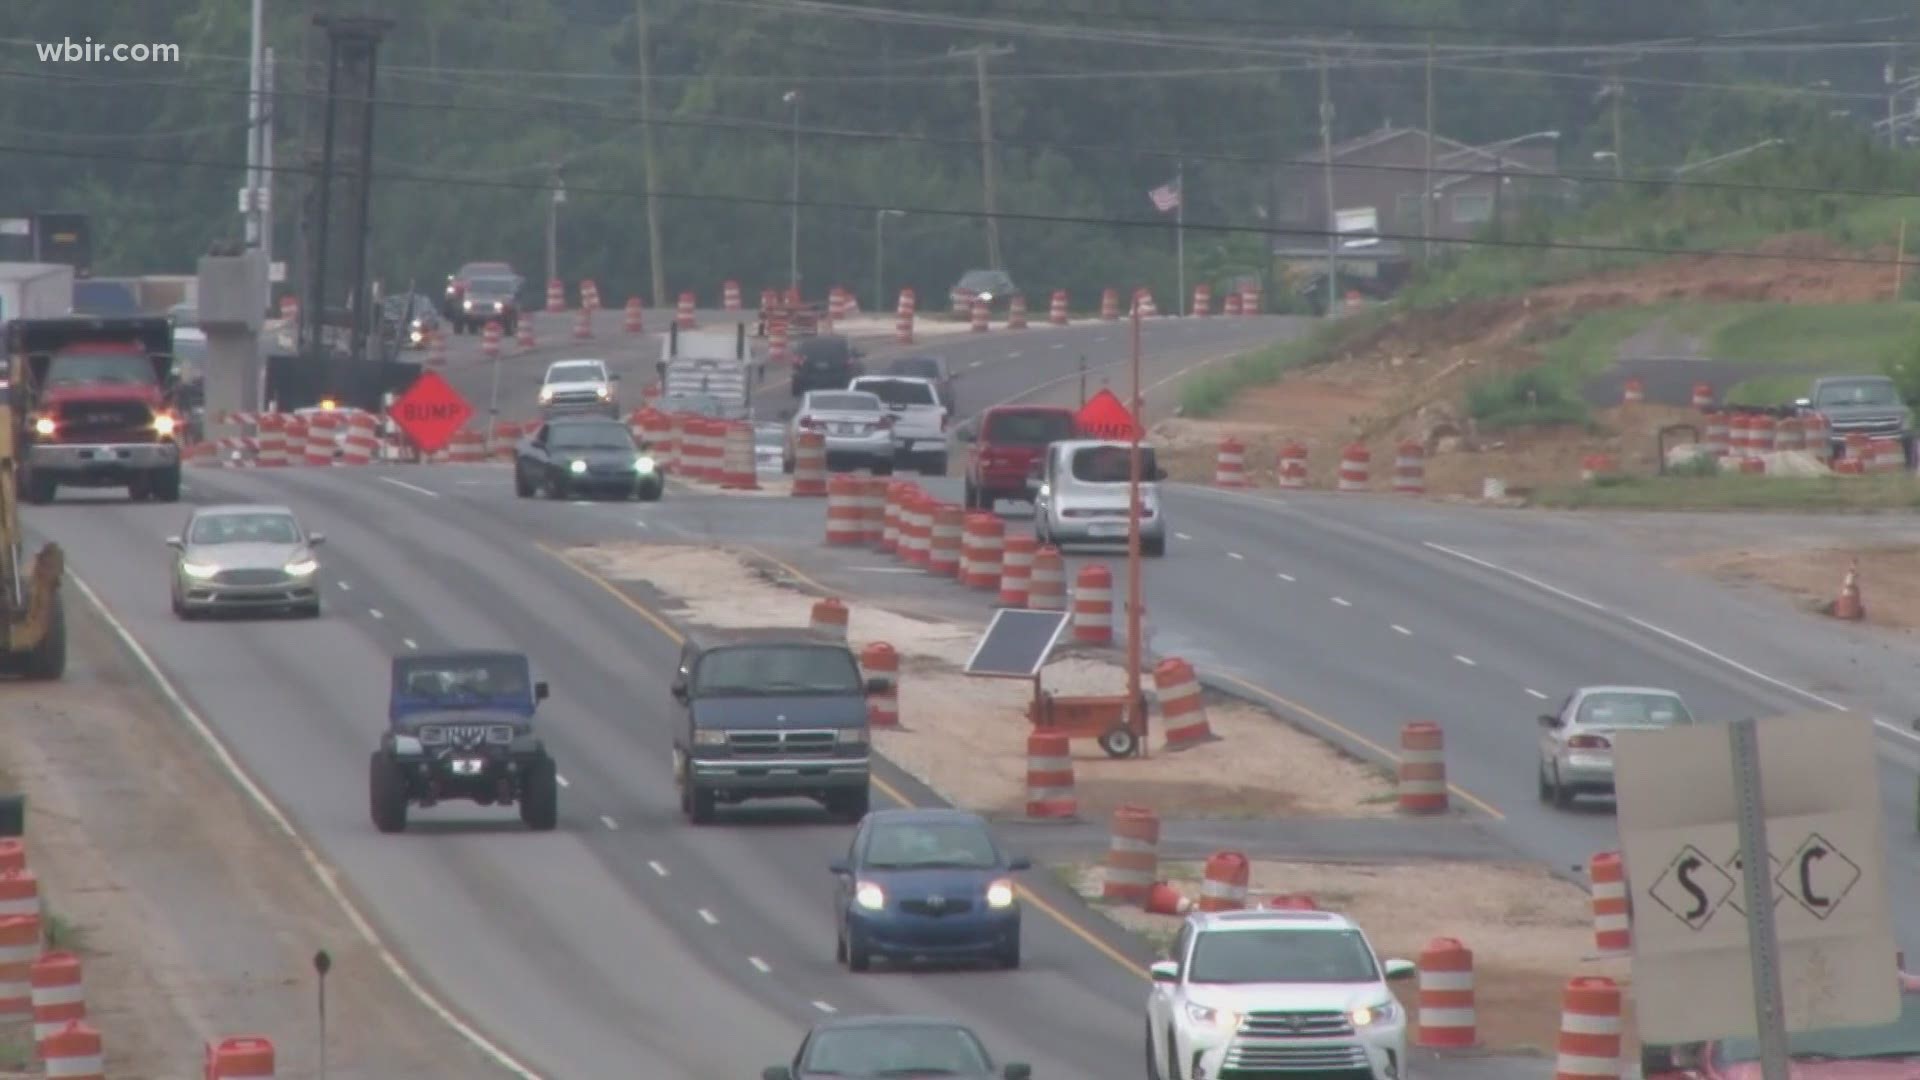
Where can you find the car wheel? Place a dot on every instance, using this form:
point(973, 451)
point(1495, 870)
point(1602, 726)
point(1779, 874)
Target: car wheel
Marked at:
point(1173, 1056)
point(652, 492)
point(970, 496)
point(521, 485)
point(387, 793)
point(1153, 1058)
point(700, 805)
point(555, 489)
point(540, 796)
point(164, 486)
point(850, 806)
point(139, 489)
point(859, 957)
point(839, 946)
point(41, 489)
point(1153, 548)
point(933, 465)
point(786, 465)
point(1562, 794)
point(1009, 957)
point(308, 611)
point(1540, 778)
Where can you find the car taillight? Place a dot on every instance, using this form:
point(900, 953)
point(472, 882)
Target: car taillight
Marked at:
point(1589, 742)
point(809, 423)
point(886, 421)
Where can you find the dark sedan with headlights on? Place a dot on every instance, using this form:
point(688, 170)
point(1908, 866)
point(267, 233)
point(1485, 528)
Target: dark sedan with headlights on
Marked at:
point(857, 1047)
point(927, 884)
point(585, 456)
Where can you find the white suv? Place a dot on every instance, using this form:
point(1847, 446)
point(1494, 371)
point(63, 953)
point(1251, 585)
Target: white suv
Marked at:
point(1270, 993)
point(578, 385)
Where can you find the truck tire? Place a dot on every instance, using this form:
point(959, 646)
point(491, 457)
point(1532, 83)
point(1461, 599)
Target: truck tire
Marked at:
point(850, 806)
point(540, 797)
point(386, 793)
point(39, 489)
point(48, 660)
point(699, 805)
point(933, 464)
point(164, 486)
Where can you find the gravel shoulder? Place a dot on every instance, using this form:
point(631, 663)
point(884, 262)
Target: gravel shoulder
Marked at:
point(196, 917)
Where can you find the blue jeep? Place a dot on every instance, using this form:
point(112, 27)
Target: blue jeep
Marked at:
point(460, 726)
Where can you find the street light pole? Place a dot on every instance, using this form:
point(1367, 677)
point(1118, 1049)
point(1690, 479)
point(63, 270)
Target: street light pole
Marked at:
point(793, 243)
point(1134, 619)
point(558, 197)
point(880, 254)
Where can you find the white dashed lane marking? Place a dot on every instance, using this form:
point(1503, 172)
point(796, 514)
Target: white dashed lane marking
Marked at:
point(1235, 555)
point(1467, 660)
point(1284, 577)
point(1343, 601)
point(1398, 629)
point(1181, 536)
point(825, 1008)
point(409, 643)
point(376, 613)
point(609, 822)
point(708, 917)
point(654, 865)
point(759, 965)
point(1536, 693)
point(561, 780)
point(344, 586)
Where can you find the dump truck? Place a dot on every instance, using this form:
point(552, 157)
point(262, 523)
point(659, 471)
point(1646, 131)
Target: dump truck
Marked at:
point(35, 290)
point(98, 406)
point(710, 364)
point(33, 627)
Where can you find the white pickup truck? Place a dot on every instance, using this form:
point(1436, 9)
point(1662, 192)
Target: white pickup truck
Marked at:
point(920, 419)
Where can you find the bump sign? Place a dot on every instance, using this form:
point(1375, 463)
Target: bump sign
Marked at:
point(430, 412)
point(1105, 416)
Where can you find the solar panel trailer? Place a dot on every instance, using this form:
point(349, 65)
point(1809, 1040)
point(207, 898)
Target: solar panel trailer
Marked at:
point(1017, 645)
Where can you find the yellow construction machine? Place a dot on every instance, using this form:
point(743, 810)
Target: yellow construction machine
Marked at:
point(33, 625)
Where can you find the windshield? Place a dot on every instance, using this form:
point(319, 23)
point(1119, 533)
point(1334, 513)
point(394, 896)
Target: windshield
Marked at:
point(930, 844)
point(463, 678)
point(1282, 956)
point(589, 437)
point(1866, 392)
point(189, 358)
point(1110, 464)
point(777, 669)
point(896, 1050)
point(1633, 710)
point(977, 280)
point(244, 529)
point(490, 287)
point(899, 391)
point(115, 368)
point(564, 373)
point(1900, 1039)
point(1028, 428)
point(843, 402)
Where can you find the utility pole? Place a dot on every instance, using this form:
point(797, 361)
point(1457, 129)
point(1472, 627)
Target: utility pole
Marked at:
point(980, 53)
point(1893, 97)
point(1326, 173)
point(1180, 297)
point(644, 46)
point(1426, 183)
point(792, 98)
point(555, 200)
point(269, 124)
point(1619, 153)
point(250, 196)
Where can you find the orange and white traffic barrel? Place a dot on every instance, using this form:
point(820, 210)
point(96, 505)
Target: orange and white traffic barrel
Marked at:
point(19, 893)
point(845, 518)
point(1423, 769)
point(742, 468)
point(1446, 1019)
point(490, 340)
point(1356, 467)
point(1633, 392)
point(361, 443)
point(810, 465)
point(635, 321)
point(1164, 899)
point(1047, 581)
point(502, 438)
point(903, 318)
point(1183, 708)
point(1410, 468)
point(469, 447)
point(272, 452)
point(1589, 1045)
point(556, 295)
point(683, 312)
point(1789, 434)
point(829, 617)
point(1739, 435)
point(321, 440)
point(881, 662)
point(1292, 901)
point(583, 324)
point(1109, 304)
point(1202, 299)
point(1717, 439)
point(979, 316)
point(13, 854)
point(1702, 395)
point(1230, 464)
point(730, 296)
point(896, 493)
point(1050, 776)
point(948, 531)
point(1612, 924)
point(240, 1057)
point(1818, 443)
point(1231, 305)
point(1017, 312)
point(777, 350)
point(74, 1052)
point(1133, 855)
point(289, 308)
point(1293, 464)
point(1016, 569)
point(1224, 884)
point(982, 551)
point(524, 336)
point(589, 295)
point(916, 528)
point(873, 509)
point(19, 946)
point(1057, 311)
point(294, 431)
point(837, 304)
point(59, 998)
point(1093, 605)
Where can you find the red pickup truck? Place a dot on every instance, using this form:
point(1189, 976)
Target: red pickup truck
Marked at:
point(1007, 445)
point(1882, 1052)
point(101, 396)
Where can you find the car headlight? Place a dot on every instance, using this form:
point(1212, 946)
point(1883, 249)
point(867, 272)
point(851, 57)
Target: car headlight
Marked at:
point(200, 570)
point(546, 394)
point(644, 464)
point(43, 425)
point(1369, 1015)
point(985, 297)
point(1224, 1019)
point(602, 392)
point(856, 736)
point(870, 896)
point(303, 567)
point(163, 424)
point(1000, 894)
point(469, 305)
point(577, 466)
point(709, 738)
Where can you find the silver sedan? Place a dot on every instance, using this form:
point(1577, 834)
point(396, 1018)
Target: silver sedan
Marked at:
point(855, 424)
point(1576, 743)
point(245, 558)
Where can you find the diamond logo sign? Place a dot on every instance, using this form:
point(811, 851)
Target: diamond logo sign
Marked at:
point(1692, 887)
point(1818, 877)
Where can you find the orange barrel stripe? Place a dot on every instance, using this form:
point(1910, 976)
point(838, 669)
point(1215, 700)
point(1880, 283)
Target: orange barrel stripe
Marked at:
point(1423, 769)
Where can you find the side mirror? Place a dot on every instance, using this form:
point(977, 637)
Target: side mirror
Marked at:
point(1400, 969)
point(1020, 862)
point(541, 690)
point(877, 686)
point(776, 1072)
point(1017, 1071)
point(679, 690)
point(316, 539)
point(176, 543)
point(1166, 971)
point(839, 866)
point(1548, 720)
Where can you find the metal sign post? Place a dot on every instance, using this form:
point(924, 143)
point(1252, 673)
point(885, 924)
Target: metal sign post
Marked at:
point(1763, 942)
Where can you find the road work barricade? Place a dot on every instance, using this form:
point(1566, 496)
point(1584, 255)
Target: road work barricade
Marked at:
point(1109, 305)
point(1050, 777)
point(829, 617)
point(19, 947)
point(1231, 305)
point(13, 854)
point(903, 318)
point(683, 314)
point(1202, 299)
point(1410, 469)
point(1224, 886)
point(360, 445)
point(1717, 438)
point(59, 998)
point(322, 431)
point(19, 893)
point(1057, 311)
point(1612, 927)
point(1356, 468)
point(1047, 582)
point(1164, 899)
point(916, 528)
point(979, 317)
point(1183, 708)
point(742, 468)
point(1093, 605)
point(1133, 855)
point(846, 517)
point(1446, 1019)
point(947, 537)
point(1633, 392)
point(1702, 395)
point(1017, 312)
point(74, 1052)
point(810, 465)
point(583, 325)
point(556, 295)
point(240, 1057)
point(891, 533)
point(1016, 569)
point(635, 321)
point(271, 441)
point(525, 338)
point(730, 296)
point(1292, 466)
point(981, 551)
point(873, 509)
point(1589, 1045)
point(879, 661)
point(1423, 769)
point(1230, 464)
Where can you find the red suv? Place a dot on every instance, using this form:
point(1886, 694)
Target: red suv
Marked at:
point(1009, 442)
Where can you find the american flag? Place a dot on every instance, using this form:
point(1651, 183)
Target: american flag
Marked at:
point(1165, 197)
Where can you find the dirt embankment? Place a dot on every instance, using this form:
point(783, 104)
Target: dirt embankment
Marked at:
point(1407, 378)
point(194, 916)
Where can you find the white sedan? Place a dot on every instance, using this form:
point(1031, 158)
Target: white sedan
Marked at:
point(1576, 742)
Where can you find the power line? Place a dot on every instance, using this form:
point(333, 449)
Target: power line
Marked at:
point(769, 127)
point(388, 175)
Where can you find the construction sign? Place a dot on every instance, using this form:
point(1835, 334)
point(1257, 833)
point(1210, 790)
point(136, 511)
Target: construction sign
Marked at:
point(1105, 416)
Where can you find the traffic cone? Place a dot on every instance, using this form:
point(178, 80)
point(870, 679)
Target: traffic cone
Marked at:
point(1848, 605)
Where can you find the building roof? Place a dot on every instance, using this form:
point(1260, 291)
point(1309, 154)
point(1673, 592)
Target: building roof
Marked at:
point(1448, 153)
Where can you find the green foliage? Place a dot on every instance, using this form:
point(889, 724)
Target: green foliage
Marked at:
point(1736, 491)
point(1539, 397)
point(1209, 392)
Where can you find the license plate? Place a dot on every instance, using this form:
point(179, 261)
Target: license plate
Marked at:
point(845, 429)
point(1108, 529)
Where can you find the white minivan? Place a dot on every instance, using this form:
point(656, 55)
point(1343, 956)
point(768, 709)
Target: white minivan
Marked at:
point(1081, 496)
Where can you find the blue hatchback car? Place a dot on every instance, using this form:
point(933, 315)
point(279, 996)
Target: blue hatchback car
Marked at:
point(926, 884)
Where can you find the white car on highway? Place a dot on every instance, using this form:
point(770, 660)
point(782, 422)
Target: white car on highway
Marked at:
point(919, 419)
point(1576, 742)
point(857, 428)
point(578, 385)
point(1273, 992)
